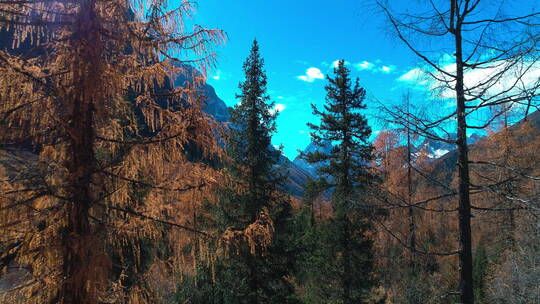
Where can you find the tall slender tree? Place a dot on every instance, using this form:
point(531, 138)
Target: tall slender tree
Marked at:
point(347, 166)
point(253, 124)
point(481, 37)
point(251, 273)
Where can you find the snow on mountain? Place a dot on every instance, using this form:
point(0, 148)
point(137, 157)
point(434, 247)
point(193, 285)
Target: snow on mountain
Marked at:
point(436, 149)
point(325, 147)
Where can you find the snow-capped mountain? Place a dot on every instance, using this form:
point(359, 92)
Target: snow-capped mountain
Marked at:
point(324, 147)
point(437, 149)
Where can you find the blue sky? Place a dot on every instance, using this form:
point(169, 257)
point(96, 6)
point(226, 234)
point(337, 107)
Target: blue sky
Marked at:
point(302, 38)
point(299, 41)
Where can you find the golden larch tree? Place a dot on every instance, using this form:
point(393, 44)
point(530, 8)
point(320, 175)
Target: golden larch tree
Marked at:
point(94, 143)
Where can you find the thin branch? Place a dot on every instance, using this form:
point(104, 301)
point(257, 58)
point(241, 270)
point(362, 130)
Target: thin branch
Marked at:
point(143, 216)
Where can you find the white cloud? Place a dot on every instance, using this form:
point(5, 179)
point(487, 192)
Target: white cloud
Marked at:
point(415, 75)
point(364, 65)
point(279, 107)
point(504, 76)
point(500, 76)
point(336, 62)
point(376, 67)
point(311, 74)
point(387, 69)
point(216, 75)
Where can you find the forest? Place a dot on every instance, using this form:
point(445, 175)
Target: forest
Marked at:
point(124, 178)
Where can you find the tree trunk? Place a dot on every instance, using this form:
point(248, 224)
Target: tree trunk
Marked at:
point(412, 223)
point(347, 280)
point(81, 271)
point(509, 184)
point(465, 253)
point(77, 255)
point(253, 280)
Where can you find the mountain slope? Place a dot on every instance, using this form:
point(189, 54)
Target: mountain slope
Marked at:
point(444, 167)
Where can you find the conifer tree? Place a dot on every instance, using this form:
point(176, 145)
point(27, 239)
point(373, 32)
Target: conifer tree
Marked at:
point(312, 262)
point(87, 183)
point(252, 185)
point(346, 166)
point(253, 124)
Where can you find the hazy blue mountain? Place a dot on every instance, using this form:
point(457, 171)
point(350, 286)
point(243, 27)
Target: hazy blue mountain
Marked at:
point(325, 148)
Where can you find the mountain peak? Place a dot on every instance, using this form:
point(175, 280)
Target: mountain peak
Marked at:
point(325, 146)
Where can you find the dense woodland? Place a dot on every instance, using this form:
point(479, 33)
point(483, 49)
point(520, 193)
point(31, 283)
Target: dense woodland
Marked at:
point(117, 186)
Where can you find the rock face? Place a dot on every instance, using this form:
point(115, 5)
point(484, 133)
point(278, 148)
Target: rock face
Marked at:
point(297, 177)
point(213, 104)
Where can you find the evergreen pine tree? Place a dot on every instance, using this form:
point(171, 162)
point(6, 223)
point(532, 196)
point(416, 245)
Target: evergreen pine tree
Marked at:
point(313, 255)
point(253, 158)
point(349, 250)
point(253, 184)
